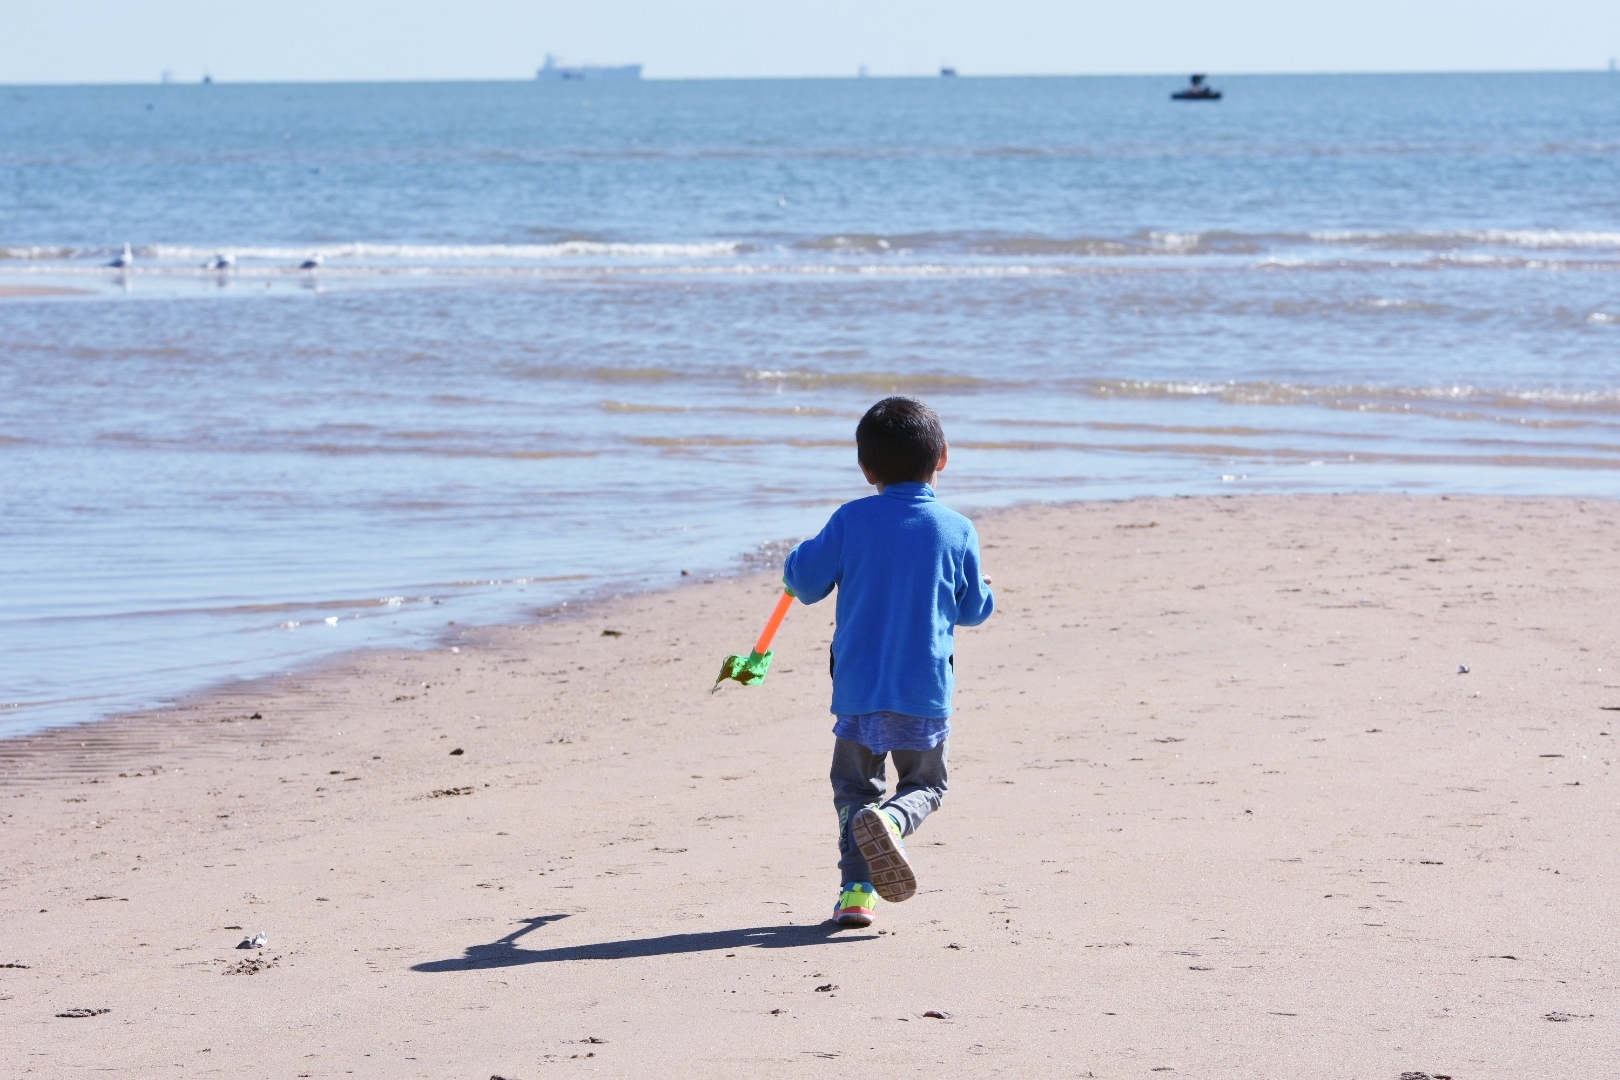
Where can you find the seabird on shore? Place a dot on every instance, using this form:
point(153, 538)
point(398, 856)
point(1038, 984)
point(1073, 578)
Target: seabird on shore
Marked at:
point(124, 261)
point(313, 262)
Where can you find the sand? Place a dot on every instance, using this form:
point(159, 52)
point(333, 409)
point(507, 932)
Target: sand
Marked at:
point(1222, 805)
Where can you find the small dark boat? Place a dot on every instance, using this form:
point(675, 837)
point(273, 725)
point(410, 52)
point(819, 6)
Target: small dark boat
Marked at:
point(1196, 90)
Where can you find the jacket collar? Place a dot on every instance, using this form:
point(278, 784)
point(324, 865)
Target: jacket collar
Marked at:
point(910, 490)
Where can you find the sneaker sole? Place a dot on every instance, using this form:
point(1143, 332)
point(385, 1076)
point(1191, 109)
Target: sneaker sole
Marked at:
point(853, 918)
point(892, 876)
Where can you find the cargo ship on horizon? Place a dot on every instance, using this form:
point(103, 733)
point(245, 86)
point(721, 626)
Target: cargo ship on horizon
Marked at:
point(551, 69)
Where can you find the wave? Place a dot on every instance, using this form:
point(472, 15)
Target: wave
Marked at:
point(494, 252)
point(1437, 400)
point(398, 252)
point(869, 380)
point(1149, 242)
point(1480, 402)
point(716, 387)
point(1530, 239)
point(36, 252)
point(831, 249)
point(1552, 458)
point(897, 269)
point(1456, 401)
point(611, 406)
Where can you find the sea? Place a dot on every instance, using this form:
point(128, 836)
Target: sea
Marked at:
point(561, 340)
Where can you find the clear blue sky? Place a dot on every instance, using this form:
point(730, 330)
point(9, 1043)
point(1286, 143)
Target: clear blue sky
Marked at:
point(270, 40)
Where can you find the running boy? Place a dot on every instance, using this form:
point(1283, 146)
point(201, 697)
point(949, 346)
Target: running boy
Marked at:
point(907, 573)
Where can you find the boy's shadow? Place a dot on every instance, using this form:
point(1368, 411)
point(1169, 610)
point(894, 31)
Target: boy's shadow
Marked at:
point(504, 952)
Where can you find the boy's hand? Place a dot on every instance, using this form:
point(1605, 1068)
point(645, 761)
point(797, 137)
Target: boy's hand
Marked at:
point(987, 579)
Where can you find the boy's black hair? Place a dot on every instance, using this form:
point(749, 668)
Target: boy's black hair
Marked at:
point(899, 439)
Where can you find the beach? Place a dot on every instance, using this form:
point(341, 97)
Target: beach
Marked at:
point(435, 351)
point(1254, 786)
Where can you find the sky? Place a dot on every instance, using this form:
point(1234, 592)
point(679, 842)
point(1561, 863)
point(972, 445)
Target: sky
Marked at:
point(73, 41)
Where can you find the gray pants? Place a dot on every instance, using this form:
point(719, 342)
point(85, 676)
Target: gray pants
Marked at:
point(859, 779)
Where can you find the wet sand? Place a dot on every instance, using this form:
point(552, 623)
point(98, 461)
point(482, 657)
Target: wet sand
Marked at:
point(23, 291)
point(1223, 805)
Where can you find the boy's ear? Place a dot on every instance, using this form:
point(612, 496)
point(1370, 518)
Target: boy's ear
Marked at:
point(944, 456)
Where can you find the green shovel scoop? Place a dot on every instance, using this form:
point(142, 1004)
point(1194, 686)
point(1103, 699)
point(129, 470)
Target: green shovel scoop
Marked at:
point(751, 669)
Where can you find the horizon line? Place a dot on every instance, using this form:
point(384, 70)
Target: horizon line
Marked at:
point(868, 77)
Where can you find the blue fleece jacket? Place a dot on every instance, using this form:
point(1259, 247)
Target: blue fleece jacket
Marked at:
point(907, 573)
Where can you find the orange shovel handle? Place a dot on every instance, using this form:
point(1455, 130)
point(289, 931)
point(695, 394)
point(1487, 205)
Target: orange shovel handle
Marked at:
point(764, 644)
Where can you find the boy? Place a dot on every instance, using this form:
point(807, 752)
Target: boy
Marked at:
point(907, 573)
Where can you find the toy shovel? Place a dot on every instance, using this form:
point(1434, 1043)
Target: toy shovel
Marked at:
point(751, 669)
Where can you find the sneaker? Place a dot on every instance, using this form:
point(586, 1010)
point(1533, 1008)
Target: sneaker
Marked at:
point(855, 904)
point(877, 834)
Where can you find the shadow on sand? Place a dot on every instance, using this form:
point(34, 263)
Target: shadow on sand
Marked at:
point(505, 952)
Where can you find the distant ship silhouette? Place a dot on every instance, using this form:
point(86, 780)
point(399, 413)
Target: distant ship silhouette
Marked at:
point(551, 69)
point(1196, 90)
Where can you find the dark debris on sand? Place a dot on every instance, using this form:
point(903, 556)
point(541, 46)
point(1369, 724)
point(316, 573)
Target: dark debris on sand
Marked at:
point(252, 965)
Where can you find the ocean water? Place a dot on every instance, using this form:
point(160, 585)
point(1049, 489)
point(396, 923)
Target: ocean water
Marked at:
point(574, 338)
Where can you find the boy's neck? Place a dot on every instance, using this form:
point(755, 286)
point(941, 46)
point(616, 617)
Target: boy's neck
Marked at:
point(927, 481)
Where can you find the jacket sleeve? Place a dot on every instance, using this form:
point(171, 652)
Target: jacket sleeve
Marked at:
point(814, 566)
point(974, 600)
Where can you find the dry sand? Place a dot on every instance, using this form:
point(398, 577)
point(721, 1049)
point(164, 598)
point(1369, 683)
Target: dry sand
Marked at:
point(1222, 806)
